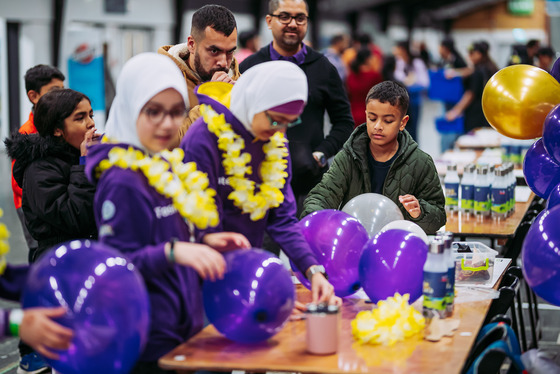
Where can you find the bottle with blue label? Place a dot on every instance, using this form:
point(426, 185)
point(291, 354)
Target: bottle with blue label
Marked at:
point(451, 182)
point(434, 287)
point(500, 195)
point(447, 238)
point(481, 192)
point(467, 189)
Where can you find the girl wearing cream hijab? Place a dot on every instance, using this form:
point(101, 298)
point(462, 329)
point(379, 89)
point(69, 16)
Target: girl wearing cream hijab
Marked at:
point(247, 161)
point(148, 202)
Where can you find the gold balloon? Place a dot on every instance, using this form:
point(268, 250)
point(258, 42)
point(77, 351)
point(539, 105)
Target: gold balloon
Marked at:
point(517, 99)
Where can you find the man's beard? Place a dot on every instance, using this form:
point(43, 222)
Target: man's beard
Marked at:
point(204, 75)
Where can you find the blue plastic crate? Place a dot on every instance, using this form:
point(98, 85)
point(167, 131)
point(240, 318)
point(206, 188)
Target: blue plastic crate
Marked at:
point(443, 89)
point(445, 127)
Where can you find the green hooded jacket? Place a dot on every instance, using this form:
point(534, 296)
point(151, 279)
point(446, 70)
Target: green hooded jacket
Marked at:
point(413, 172)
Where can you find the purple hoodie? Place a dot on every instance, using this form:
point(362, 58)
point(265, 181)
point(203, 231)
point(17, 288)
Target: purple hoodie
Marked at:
point(135, 219)
point(201, 146)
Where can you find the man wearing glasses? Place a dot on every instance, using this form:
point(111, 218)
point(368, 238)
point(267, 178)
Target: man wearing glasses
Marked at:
point(309, 147)
point(206, 56)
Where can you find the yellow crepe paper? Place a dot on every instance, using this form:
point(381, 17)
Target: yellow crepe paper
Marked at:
point(166, 172)
point(393, 320)
point(272, 169)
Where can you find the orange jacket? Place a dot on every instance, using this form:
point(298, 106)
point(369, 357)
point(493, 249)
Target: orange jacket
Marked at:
point(27, 128)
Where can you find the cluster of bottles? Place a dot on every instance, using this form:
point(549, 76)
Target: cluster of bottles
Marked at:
point(514, 150)
point(484, 190)
point(439, 278)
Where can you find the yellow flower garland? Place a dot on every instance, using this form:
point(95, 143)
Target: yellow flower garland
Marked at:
point(272, 169)
point(186, 186)
point(4, 245)
point(393, 320)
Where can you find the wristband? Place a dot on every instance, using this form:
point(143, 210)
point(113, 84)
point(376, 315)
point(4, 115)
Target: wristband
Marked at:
point(172, 250)
point(16, 316)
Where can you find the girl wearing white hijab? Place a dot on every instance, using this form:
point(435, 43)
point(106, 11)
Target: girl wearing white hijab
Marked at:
point(144, 203)
point(239, 142)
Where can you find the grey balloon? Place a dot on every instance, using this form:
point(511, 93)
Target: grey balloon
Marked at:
point(373, 211)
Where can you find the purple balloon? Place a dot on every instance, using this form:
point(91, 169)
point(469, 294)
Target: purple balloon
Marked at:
point(107, 302)
point(393, 261)
point(253, 300)
point(541, 256)
point(336, 238)
point(551, 133)
point(553, 198)
point(541, 172)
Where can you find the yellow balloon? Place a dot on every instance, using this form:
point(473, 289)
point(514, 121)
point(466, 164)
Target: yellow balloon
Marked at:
point(517, 99)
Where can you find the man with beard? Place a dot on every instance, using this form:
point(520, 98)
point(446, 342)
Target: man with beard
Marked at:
point(206, 56)
point(309, 148)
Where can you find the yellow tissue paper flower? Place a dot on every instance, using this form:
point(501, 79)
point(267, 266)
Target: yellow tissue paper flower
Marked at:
point(393, 320)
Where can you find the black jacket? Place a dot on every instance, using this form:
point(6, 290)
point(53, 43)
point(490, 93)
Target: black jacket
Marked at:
point(57, 197)
point(326, 92)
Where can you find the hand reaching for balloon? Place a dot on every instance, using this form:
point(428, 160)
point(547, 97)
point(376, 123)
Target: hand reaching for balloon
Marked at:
point(43, 334)
point(207, 262)
point(226, 241)
point(411, 205)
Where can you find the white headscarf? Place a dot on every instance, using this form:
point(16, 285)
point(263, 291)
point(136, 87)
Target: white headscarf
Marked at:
point(142, 77)
point(265, 86)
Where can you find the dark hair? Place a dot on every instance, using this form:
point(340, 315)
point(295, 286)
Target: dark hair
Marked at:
point(546, 51)
point(533, 43)
point(388, 69)
point(41, 75)
point(217, 17)
point(392, 92)
point(53, 108)
point(336, 39)
point(449, 44)
point(363, 39)
point(273, 6)
point(245, 36)
point(361, 58)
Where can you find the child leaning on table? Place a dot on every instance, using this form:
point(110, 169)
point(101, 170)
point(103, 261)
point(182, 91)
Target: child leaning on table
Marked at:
point(381, 157)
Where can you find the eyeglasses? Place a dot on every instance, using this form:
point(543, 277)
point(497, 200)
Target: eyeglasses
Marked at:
point(157, 115)
point(286, 18)
point(278, 125)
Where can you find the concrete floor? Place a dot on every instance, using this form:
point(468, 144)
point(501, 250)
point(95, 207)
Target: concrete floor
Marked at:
point(429, 141)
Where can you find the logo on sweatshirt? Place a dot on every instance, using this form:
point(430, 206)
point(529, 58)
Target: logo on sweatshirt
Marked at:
point(164, 211)
point(108, 210)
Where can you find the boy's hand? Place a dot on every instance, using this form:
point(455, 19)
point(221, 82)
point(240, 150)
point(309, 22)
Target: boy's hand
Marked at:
point(226, 241)
point(411, 205)
point(42, 334)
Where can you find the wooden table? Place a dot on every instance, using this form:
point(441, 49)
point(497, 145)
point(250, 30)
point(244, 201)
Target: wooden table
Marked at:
point(286, 351)
point(464, 226)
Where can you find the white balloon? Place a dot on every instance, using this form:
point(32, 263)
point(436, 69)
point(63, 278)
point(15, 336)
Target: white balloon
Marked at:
point(407, 226)
point(373, 211)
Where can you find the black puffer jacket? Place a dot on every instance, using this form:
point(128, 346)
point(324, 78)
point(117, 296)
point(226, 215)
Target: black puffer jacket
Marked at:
point(57, 196)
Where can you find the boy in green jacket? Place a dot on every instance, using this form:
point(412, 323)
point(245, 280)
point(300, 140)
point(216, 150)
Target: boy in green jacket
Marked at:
point(381, 157)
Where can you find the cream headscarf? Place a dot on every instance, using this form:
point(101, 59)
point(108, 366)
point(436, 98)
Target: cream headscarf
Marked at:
point(142, 77)
point(266, 86)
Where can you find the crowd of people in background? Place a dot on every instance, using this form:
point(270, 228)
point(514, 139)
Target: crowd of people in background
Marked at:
point(171, 100)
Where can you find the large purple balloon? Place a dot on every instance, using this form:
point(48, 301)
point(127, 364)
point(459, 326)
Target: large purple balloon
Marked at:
point(393, 261)
point(541, 256)
point(553, 198)
point(541, 172)
point(253, 300)
point(337, 240)
point(551, 133)
point(107, 302)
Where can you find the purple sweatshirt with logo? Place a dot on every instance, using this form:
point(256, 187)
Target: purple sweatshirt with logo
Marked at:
point(136, 220)
point(201, 146)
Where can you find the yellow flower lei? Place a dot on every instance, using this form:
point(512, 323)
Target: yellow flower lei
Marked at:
point(272, 169)
point(186, 186)
point(4, 245)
